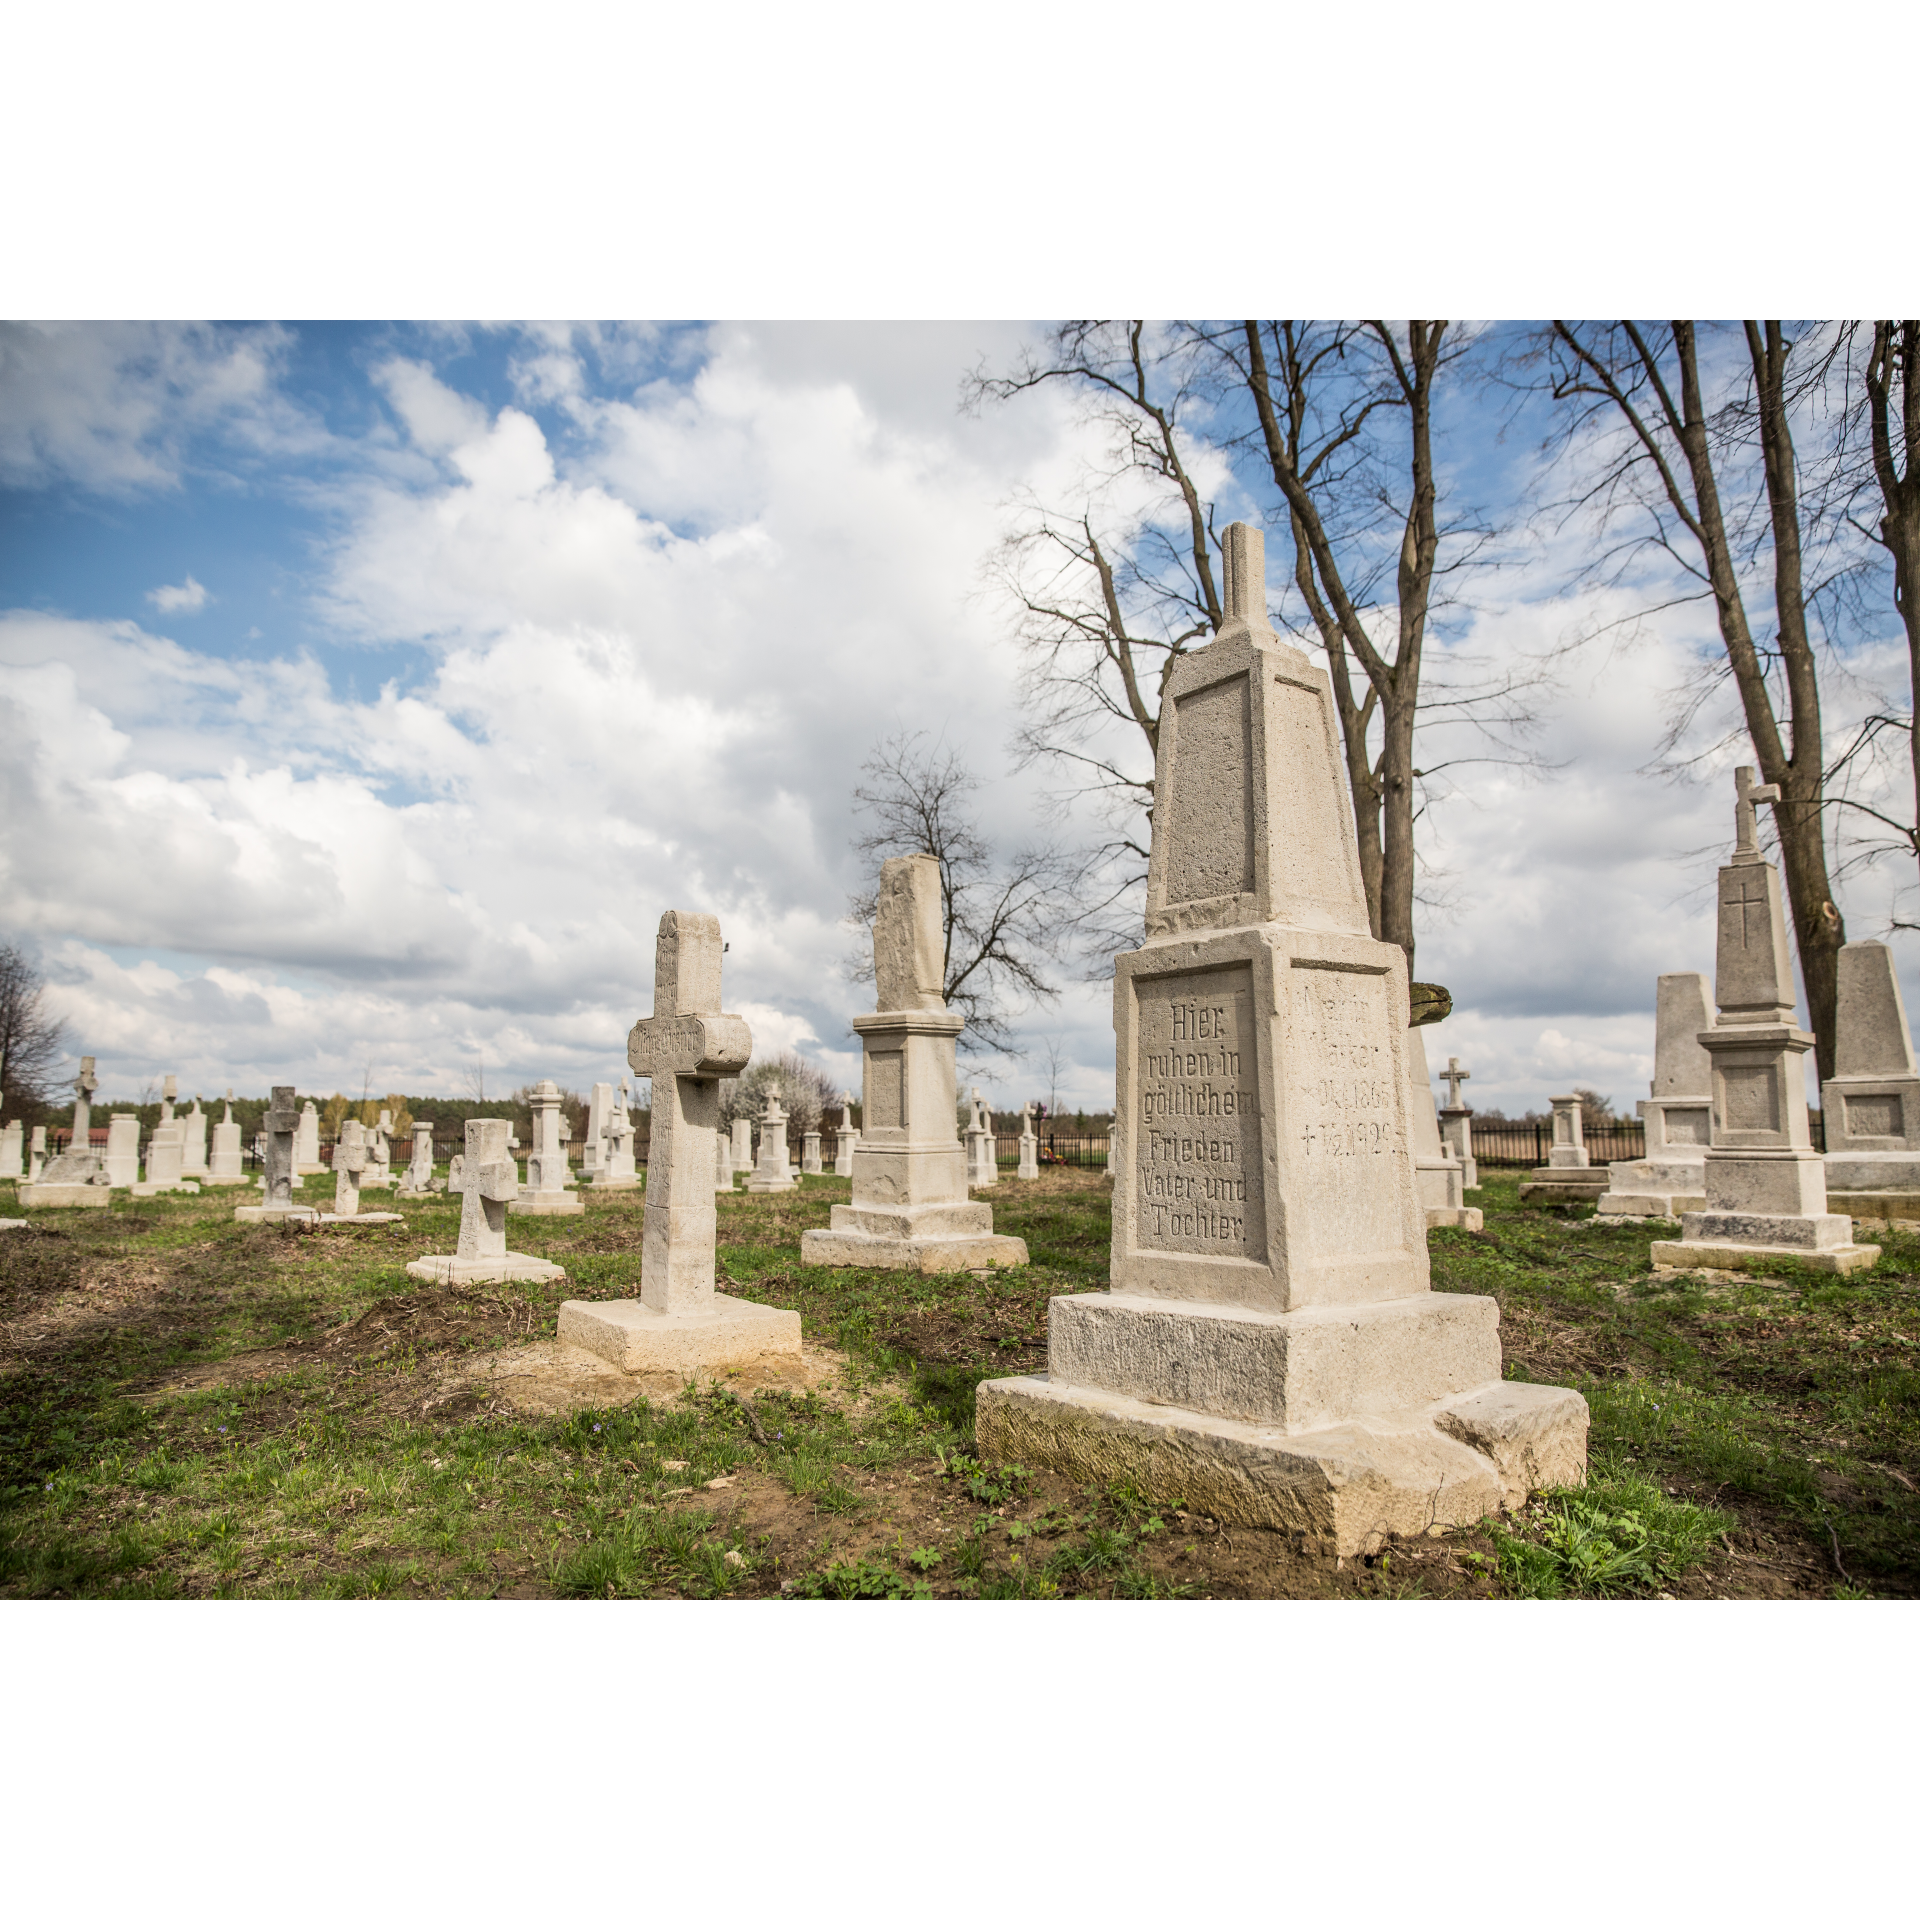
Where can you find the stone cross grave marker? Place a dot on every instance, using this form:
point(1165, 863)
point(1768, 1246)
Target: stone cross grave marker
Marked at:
point(772, 1172)
point(546, 1189)
point(1029, 1146)
point(680, 1323)
point(614, 1162)
point(418, 1178)
point(1271, 1351)
point(224, 1167)
point(845, 1139)
point(277, 1182)
point(486, 1179)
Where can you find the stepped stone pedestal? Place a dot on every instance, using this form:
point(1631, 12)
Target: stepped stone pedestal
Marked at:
point(546, 1188)
point(1872, 1099)
point(680, 1323)
point(910, 1207)
point(1766, 1187)
point(1672, 1178)
point(1271, 1351)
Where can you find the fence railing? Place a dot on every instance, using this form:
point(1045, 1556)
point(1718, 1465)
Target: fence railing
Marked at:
point(1517, 1143)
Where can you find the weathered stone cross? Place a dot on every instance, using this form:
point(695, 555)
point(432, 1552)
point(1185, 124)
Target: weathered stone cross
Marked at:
point(1746, 844)
point(487, 1180)
point(282, 1123)
point(349, 1165)
point(1454, 1074)
point(685, 1048)
point(83, 1089)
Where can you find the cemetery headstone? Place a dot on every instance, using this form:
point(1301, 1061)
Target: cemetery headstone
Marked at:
point(599, 1112)
point(680, 1323)
point(1270, 1351)
point(1456, 1124)
point(486, 1180)
point(546, 1188)
point(418, 1178)
point(169, 1093)
point(13, 1140)
point(1671, 1178)
point(614, 1163)
point(1871, 1102)
point(810, 1151)
point(306, 1150)
point(1568, 1175)
point(773, 1171)
point(1441, 1177)
point(982, 1168)
point(1766, 1187)
point(1029, 1168)
point(845, 1140)
point(379, 1144)
point(37, 1153)
point(166, 1161)
point(194, 1164)
point(722, 1161)
point(123, 1149)
point(224, 1167)
point(353, 1162)
point(910, 1205)
point(70, 1179)
point(282, 1130)
point(740, 1153)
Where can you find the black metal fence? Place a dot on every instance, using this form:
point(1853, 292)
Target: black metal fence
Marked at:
point(1520, 1143)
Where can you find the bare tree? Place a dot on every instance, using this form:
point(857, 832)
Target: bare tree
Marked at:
point(805, 1091)
point(1333, 425)
point(32, 1042)
point(1716, 488)
point(1004, 918)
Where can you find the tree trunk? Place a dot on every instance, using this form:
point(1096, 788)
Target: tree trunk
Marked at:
point(1896, 344)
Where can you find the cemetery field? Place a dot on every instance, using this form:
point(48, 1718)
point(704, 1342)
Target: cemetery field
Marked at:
point(189, 1407)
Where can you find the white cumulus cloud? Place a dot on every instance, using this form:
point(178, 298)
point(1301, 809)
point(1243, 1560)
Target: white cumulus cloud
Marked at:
point(189, 597)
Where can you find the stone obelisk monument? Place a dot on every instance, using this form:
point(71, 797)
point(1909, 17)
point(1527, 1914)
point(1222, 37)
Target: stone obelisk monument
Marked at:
point(1672, 1178)
point(680, 1324)
point(910, 1207)
point(1766, 1187)
point(1271, 1351)
point(1871, 1100)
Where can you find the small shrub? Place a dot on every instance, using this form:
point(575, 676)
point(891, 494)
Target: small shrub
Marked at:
point(857, 1580)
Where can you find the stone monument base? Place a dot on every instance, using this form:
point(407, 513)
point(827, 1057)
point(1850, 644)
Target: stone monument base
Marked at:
point(1821, 1242)
point(451, 1271)
point(756, 1185)
point(36, 1193)
point(5, 1224)
point(1559, 1185)
point(1647, 1204)
point(357, 1219)
point(224, 1180)
point(620, 1183)
point(547, 1203)
point(287, 1216)
point(945, 1237)
point(153, 1189)
point(1851, 1173)
point(633, 1337)
point(1469, 1217)
point(1341, 1489)
point(1894, 1206)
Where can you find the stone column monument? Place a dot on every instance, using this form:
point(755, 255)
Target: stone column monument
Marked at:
point(1029, 1168)
point(772, 1172)
point(1871, 1101)
point(85, 1085)
point(722, 1161)
point(810, 1151)
point(1270, 1351)
point(1766, 1187)
point(1568, 1175)
point(740, 1154)
point(680, 1323)
point(277, 1182)
point(910, 1206)
point(36, 1153)
point(599, 1112)
point(1456, 1124)
point(123, 1149)
point(78, 1177)
point(546, 1188)
point(13, 1139)
point(1672, 1178)
point(982, 1168)
point(194, 1165)
point(486, 1180)
point(306, 1150)
point(166, 1160)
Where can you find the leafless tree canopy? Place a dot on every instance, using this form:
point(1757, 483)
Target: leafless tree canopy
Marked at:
point(805, 1091)
point(1329, 431)
point(1007, 918)
point(32, 1043)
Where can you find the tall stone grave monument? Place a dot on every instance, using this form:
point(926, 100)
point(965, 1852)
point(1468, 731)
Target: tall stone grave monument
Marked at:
point(546, 1188)
point(773, 1171)
point(194, 1163)
point(306, 1149)
point(722, 1161)
point(614, 1163)
point(223, 1165)
point(417, 1181)
point(1441, 1177)
point(680, 1323)
point(845, 1139)
point(741, 1152)
point(486, 1179)
point(37, 1153)
point(379, 1144)
point(123, 1149)
point(1766, 1187)
point(1871, 1101)
point(277, 1182)
point(1029, 1168)
point(166, 1160)
point(86, 1084)
point(13, 1140)
point(1270, 1351)
point(1672, 1178)
point(910, 1206)
point(599, 1112)
point(1456, 1124)
point(169, 1093)
point(982, 1168)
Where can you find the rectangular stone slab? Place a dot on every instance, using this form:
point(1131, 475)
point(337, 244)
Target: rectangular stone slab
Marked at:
point(636, 1339)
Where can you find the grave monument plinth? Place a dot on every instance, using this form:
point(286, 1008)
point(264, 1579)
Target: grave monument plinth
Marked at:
point(417, 1182)
point(546, 1188)
point(613, 1165)
point(772, 1171)
point(1671, 1179)
point(1271, 1351)
point(224, 1168)
point(1872, 1099)
point(1569, 1174)
point(910, 1207)
point(845, 1139)
point(681, 1323)
point(1766, 1187)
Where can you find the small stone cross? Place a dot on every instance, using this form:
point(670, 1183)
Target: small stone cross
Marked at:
point(1746, 844)
point(486, 1179)
point(281, 1125)
point(86, 1084)
point(684, 1048)
point(1454, 1074)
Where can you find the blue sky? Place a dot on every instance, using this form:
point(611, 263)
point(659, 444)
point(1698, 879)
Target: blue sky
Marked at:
point(370, 690)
